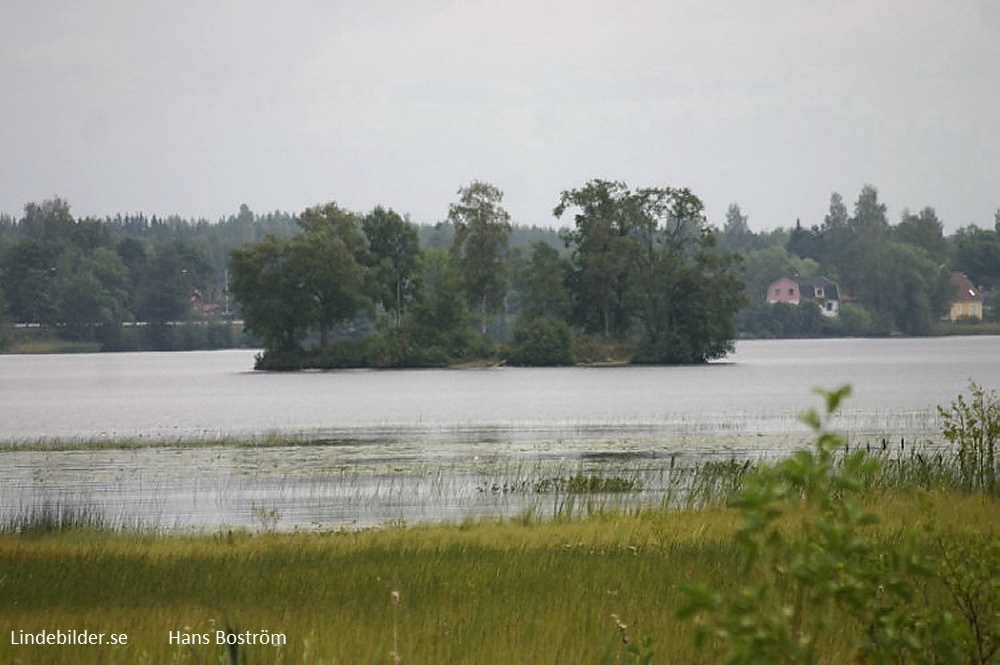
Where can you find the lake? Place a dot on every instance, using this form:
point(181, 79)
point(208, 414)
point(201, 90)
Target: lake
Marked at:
point(360, 447)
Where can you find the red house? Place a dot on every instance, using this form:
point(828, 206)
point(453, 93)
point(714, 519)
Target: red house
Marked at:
point(793, 289)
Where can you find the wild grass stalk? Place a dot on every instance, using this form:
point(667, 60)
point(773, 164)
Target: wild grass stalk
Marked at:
point(50, 516)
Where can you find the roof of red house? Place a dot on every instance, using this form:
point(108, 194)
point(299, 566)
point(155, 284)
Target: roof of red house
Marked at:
point(965, 291)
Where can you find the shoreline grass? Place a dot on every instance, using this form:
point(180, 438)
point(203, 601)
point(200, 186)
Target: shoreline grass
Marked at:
point(484, 591)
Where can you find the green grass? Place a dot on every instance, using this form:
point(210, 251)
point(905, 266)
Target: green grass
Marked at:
point(973, 327)
point(52, 444)
point(520, 590)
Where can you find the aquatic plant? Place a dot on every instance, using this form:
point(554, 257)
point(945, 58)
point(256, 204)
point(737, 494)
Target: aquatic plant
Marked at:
point(972, 425)
point(50, 516)
point(587, 484)
point(266, 518)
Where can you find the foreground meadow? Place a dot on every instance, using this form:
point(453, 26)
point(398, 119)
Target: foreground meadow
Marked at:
point(520, 591)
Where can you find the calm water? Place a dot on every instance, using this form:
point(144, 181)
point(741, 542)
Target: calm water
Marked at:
point(370, 446)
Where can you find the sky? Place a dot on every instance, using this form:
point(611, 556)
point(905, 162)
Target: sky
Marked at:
point(193, 107)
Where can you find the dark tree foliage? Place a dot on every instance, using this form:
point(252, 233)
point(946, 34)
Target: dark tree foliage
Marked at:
point(539, 342)
point(646, 262)
point(923, 230)
point(332, 260)
point(439, 313)
point(540, 282)
point(313, 280)
point(394, 246)
point(601, 249)
point(976, 252)
point(269, 289)
point(80, 281)
point(806, 243)
point(639, 271)
point(736, 235)
point(169, 279)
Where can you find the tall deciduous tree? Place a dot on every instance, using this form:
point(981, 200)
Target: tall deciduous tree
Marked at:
point(395, 249)
point(482, 227)
point(648, 256)
point(541, 283)
point(439, 316)
point(48, 220)
point(271, 293)
point(602, 248)
point(865, 267)
point(331, 257)
point(691, 289)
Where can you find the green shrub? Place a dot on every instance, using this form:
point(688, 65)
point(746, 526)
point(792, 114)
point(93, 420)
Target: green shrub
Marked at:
point(973, 426)
point(390, 348)
point(811, 569)
point(343, 352)
point(278, 360)
point(539, 342)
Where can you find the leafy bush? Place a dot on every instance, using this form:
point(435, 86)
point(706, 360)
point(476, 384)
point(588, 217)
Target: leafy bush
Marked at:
point(391, 348)
point(539, 342)
point(973, 426)
point(811, 570)
point(595, 349)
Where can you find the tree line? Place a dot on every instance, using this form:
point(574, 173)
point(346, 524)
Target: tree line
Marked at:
point(895, 276)
point(627, 278)
point(83, 283)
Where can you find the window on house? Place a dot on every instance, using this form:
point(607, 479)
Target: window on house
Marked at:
point(791, 292)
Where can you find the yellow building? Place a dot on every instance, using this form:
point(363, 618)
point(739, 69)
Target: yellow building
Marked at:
point(966, 302)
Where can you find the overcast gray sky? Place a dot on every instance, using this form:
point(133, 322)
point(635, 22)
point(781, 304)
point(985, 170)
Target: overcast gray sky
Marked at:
point(193, 107)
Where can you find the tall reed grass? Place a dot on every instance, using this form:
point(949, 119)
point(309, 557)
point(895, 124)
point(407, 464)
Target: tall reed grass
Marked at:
point(483, 591)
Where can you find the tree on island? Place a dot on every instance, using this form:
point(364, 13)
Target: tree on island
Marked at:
point(649, 256)
point(482, 227)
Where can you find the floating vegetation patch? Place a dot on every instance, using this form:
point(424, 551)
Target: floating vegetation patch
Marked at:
point(589, 484)
point(507, 487)
point(576, 484)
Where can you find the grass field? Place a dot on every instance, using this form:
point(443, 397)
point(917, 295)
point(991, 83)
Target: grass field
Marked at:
point(519, 591)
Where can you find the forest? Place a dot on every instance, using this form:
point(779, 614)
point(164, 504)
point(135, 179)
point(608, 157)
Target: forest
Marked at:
point(624, 275)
